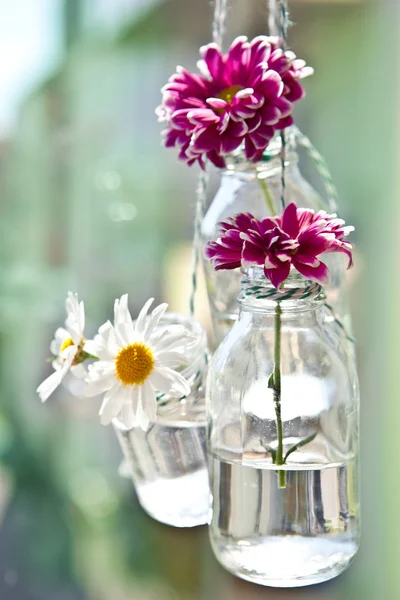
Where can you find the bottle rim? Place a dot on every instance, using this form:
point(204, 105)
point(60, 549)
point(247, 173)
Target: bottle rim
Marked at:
point(297, 292)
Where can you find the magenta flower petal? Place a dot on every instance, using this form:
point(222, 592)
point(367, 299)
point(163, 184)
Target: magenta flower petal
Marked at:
point(289, 221)
point(296, 239)
point(179, 119)
point(253, 85)
point(202, 116)
point(206, 140)
point(285, 106)
point(272, 85)
point(343, 248)
point(250, 149)
point(318, 244)
point(318, 273)
point(278, 275)
point(229, 144)
point(214, 61)
point(252, 253)
point(223, 258)
point(216, 159)
point(240, 223)
point(237, 129)
point(254, 123)
point(217, 103)
point(258, 140)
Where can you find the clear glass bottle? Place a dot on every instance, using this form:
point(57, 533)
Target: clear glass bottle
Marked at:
point(256, 188)
point(167, 463)
point(283, 515)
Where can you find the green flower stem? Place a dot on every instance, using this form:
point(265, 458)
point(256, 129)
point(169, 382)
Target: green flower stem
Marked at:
point(87, 356)
point(267, 196)
point(279, 460)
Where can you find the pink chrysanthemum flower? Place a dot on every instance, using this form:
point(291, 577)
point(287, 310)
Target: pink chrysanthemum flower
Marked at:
point(295, 239)
point(241, 97)
point(226, 252)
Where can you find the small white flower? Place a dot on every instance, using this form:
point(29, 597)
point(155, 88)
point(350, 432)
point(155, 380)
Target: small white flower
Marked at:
point(67, 347)
point(136, 361)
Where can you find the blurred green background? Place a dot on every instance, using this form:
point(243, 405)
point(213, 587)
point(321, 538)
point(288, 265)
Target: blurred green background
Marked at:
point(90, 201)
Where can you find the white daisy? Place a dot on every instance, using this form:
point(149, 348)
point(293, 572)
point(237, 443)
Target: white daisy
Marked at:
point(137, 360)
point(67, 347)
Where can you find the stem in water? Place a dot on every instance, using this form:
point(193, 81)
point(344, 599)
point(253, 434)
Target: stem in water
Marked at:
point(267, 196)
point(279, 460)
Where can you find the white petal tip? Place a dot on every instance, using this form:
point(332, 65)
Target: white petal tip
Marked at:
point(104, 420)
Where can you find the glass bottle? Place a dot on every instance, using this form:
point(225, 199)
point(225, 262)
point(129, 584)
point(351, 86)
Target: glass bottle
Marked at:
point(256, 188)
point(283, 466)
point(167, 463)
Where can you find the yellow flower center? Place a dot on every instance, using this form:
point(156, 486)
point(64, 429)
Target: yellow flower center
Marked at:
point(66, 344)
point(229, 93)
point(80, 355)
point(134, 364)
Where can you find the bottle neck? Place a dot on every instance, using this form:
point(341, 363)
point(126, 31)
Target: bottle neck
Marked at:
point(299, 295)
point(271, 163)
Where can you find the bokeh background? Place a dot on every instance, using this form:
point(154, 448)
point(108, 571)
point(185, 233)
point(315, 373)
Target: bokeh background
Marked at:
point(90, 201)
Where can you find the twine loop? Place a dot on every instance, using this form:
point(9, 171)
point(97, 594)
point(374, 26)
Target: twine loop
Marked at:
point(296, 293)
point(218, 32)
point(314, 289)
point(321, 167)
point(278, 25)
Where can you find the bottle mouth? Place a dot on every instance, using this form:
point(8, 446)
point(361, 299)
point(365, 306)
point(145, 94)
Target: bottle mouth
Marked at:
point(295, 289)
point(237, 160)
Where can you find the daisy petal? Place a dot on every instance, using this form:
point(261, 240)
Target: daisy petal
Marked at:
point(59, 338)
point(148, 401)
point(170, 359)
point(169, 382)
point(122, 319)
point(153, 321)
point(79, 371)
point(127, 415)
point(50, 384)
point(75, 321)
point(99, 384)
point(90, 347)
point(140, 325)
point(112, 404)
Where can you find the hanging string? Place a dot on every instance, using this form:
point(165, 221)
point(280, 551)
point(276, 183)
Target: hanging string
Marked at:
point(283, 168)
point(340, 324)
point(273, 18)
point(218, 28)
point(321, 167)
point(201, 199)
point(283, 23)
point(218, 32)
point(278, 25)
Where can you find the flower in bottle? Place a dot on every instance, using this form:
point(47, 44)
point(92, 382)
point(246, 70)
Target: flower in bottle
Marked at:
point(67, 347)
point(296, 239)
point(136, 360)
point(226, 252)
point(238, 98)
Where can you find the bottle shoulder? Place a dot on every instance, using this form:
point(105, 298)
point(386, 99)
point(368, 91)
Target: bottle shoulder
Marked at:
point(318, 348)
point(237, 193)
